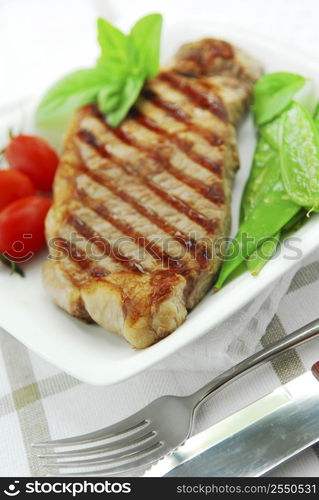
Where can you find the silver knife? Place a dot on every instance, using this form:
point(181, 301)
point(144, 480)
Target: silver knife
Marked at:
point(254, 440)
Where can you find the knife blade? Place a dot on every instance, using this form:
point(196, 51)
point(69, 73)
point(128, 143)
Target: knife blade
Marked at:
point(254, 440)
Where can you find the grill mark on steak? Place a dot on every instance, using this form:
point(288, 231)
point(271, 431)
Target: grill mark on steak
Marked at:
point(199, 251)
point(171, 108)
point(173, 263)
point(78, 257)
point(184, 145)
point(213, 193)
point(197, 96)
point(102, 244)
point(209, 224)
point(90, 139)
point(178, 114)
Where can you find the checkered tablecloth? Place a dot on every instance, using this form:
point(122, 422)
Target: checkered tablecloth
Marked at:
point(39, 402)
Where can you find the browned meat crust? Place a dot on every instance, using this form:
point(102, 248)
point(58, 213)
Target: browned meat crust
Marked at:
point(138, 210)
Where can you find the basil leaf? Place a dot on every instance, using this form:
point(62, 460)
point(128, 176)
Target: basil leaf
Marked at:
point(299, 156)
point(109, 98)
point(70, 93)
point(113, 43)
point(145, 36)
point(126, 98)
point(125, 62)
point(273, 93)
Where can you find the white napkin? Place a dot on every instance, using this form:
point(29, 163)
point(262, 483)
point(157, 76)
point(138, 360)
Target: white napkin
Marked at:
point(235, 338)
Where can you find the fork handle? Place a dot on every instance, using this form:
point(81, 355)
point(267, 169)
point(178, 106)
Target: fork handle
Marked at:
point(296, 338)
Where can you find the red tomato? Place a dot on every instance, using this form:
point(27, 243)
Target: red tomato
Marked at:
point(34, 157)
point(14, 185)
point(22, 227)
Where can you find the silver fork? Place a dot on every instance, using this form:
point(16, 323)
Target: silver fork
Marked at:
point(138, 441)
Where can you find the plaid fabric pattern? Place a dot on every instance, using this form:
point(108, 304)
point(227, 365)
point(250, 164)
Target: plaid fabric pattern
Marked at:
point(39, 402)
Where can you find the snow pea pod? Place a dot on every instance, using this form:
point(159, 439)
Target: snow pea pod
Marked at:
point(268, 212)
point(273, 93)
point(259, 258)
point(241, 269)
point(267, 218)
point(294, 224)
point(264, 175)
point(272, 132)
point(299, 157)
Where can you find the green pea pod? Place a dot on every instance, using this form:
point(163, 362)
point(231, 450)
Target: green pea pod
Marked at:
point(294, 224)
point(267, 218)
point(316, 116)
point(273, 93)
point(265, 174)
point(263, 156)
point(259, 258)
point(271, 132)
point(268, 213)
point(299, 157)
point(241, 269)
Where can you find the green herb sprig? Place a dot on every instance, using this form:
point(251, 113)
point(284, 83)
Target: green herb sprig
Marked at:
point(126, 61)
point(13, 266)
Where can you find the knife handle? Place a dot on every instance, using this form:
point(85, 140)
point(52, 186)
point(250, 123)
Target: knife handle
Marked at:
point(315, 370)
point(308, 332)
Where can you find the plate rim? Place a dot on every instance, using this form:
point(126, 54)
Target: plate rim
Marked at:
point(173, 342)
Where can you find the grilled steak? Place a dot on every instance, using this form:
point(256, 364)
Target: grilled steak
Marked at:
point(139, 210)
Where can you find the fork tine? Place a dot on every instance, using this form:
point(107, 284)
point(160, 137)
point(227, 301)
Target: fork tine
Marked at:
point(111, 433)
point(108, 460)
point(104, 448)
point(130, 463)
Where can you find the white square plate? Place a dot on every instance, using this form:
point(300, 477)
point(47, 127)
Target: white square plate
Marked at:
point(88, 352)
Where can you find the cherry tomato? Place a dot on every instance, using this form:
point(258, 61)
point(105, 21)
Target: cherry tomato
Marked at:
point(34, 157)
point(14, 185)
point(22, 227)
